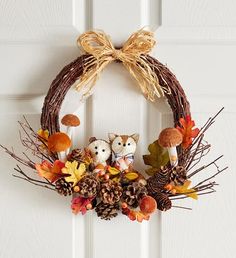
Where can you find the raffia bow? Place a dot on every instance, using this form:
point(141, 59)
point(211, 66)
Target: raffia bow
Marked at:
point(132, 55)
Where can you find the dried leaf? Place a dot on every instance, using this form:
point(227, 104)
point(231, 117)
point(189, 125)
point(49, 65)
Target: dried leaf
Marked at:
point(51, 172)
point(87, 159)
point(131, 176)
point(78, 204)
point(74, 173)
point(184, 189)
point(43, 137)
point(113, 171)
point(157, 158)
point(135, 215)
point(43, 134)
point(151, 171)
point(187, 131)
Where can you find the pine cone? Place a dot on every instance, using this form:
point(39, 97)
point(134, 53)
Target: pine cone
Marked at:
point(110, 192)
point(157, 182)
point(88, 186)
point(163, 201)
point(133, 193)
point(178, 175)
point(77, 155)
point(63, 187)
point(107, 211)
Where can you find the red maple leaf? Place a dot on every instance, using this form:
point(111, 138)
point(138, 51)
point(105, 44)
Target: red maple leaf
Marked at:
point(187, 130)
point(78, 204)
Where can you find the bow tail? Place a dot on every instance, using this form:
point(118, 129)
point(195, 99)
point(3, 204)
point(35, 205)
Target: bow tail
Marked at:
point(146, 78)
point(90, 75)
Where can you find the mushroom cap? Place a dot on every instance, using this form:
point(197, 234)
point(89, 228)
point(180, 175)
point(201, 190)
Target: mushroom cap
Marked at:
point(70, 120)
point(170, 137)
point(148, 204)
point(58, 142)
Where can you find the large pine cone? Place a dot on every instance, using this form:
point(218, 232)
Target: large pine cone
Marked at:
point(133, 193)
point(110, 192)
point(178, 175)
point(157, 182)
point(88, 186)
point(107, 211)
point(77, 155)
point(163, 201)
point(63, 187)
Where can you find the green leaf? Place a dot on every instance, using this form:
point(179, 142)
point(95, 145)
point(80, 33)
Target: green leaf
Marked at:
point(158, 157)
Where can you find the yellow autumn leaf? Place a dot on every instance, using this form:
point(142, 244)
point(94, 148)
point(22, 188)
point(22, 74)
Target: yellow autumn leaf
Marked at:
point(44, 134)
point(184, 189)
point(113, 171)
point(74, 173)
point(131, 176)
point(116, 179)
point(43, 137)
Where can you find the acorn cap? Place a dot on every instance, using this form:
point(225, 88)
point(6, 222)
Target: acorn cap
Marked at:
point(70, 120)
point(170, 137)
point(58, 142)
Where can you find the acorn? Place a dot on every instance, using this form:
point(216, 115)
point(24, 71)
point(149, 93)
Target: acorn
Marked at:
point(148, 204)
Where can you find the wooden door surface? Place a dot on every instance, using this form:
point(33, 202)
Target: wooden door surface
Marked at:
point(196, 39)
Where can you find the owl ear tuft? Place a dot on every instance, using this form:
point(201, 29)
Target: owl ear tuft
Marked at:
point(135, 136)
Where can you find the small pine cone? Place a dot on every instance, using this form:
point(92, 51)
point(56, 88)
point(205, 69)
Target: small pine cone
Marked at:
point(107, 211)
point(77, 155)
point(133, 193)
point(63, 187)
point(110, 192)
point(178, 175)
point(88, 186)
point(163, 201)
point(157, 182)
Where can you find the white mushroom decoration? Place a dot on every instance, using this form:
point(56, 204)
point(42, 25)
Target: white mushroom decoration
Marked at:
point(70, 121)
point(170, 138)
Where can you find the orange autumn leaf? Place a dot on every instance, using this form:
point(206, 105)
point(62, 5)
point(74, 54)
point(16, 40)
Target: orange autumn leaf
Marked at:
point(187, 130)
point(135, 215)
point(51, 172)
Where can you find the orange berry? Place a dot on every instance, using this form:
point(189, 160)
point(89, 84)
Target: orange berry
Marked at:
point(124, 205)
point(106, 177)
point(101, 173)
point(76, 188)
point(173, 191)
point(89, 206)
point(169, 187)
point(148, 204)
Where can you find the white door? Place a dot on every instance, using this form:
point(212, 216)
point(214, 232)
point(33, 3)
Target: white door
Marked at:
point(197, 41)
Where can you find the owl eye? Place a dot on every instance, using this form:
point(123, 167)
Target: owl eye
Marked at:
point(129, 143)
point(103, 150)
point(119, 143)
point(96, 147)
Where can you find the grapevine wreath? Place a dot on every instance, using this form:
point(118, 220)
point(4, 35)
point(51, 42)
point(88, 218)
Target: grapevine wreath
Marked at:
point(101, 176)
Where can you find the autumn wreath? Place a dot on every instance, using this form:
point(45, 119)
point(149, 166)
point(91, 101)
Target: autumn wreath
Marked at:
point(101, 176)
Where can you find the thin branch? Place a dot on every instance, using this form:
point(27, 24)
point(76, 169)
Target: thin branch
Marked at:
point(23, 178)
point(181, 207)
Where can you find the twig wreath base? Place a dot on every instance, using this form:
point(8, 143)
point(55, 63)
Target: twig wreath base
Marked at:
point(102, 176)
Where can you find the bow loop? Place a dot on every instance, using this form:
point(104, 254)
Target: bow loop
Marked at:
point(132, 55)
point(139, 43)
